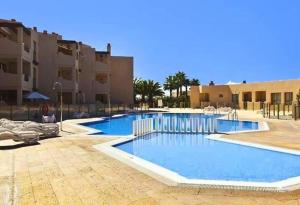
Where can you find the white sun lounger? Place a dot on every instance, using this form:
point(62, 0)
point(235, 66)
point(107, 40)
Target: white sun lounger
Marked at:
point(28, 137)
point(46, 130)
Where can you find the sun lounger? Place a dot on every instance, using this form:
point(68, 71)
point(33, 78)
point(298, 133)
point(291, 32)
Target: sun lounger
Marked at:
point(28, 137)
point(45, 130)
point(225, 109)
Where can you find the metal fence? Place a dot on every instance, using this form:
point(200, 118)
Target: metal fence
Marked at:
point(278, 111)
point(175, 125)
point(268, 110)
point(274, 111)
point(34, 112)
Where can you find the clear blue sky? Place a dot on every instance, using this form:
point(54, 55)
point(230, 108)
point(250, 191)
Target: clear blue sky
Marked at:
point(252, 40)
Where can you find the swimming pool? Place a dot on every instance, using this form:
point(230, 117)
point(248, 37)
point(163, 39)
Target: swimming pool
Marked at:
point(193, 156)
point(122, 126)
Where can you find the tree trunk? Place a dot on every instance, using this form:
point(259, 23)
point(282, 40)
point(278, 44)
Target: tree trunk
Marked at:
point(143, 98)
point(186, 91)
point(180, 88)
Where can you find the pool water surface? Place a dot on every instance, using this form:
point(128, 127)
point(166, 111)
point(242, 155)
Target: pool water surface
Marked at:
point(122, 126)
point(195, 157)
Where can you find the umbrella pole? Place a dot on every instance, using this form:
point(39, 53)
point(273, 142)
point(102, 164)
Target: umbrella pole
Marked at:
point(61, 107)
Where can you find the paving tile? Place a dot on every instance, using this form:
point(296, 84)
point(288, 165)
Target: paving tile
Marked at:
point(68, 170)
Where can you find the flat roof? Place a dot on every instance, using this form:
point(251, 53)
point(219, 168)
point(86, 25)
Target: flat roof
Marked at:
point(67, 41)
point(12, 24)
point(241, 83)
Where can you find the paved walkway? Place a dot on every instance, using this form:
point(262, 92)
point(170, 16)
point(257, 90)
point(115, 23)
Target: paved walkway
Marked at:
point(67, 170)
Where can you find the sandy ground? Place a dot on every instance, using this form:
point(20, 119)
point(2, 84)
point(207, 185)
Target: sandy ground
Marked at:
point(68, 170)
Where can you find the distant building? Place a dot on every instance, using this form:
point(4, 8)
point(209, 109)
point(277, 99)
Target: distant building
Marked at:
point(32, 60)
point(273, 92)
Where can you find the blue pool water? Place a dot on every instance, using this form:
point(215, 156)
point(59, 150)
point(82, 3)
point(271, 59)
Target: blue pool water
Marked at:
point(194, 157)
point(123, 125)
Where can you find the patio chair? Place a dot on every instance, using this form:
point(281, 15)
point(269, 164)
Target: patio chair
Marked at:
point(48, 119)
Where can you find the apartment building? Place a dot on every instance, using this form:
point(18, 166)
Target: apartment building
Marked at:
point(59, 62)
point(19, 62)
point(94, 81)
point(86, 75)
point(121, 79)
point(241, 94)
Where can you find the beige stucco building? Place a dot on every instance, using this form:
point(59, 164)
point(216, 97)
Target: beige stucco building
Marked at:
point(18, 60)
point(273, 92)
point(32, 60)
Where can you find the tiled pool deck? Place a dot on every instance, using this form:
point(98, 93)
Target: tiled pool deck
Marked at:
point(68, 170)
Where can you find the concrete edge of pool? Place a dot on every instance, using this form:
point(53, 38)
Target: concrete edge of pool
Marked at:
point(171, 178)
point(262, 126)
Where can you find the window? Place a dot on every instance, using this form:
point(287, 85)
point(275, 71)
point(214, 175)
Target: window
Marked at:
point(3, 67)
point(247, 97)
point(34, 51)
point(275, 98)
point(288, 98)
point(65, 73)
point(205, 97)
point(221, 96)
point(235, 99)
point(9, 67)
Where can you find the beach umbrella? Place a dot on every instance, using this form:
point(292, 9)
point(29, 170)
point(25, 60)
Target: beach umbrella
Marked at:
point(36, 96)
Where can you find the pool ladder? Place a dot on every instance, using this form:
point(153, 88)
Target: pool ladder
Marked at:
point(232, 115)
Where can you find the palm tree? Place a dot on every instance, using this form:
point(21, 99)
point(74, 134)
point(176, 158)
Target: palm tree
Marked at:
point(180, 80)
point(143, 88)
point(153, 90)
point(136, 88)
point(169, 84)
point(195, 82)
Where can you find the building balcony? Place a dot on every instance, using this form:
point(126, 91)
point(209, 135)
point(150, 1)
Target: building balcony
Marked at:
point(9, 80)
point(68, 85)
point(26, 54)
point(99, 66)
point(65, 51)
point(101, 87)
point(27, 82)
point(66, 60)
point(10, 48)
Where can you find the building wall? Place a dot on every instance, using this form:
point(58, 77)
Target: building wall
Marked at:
point(254, 89)
point(48, 64)
point(121, 83)
point(51, 61)
point(17, 47)
point(87, 73)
